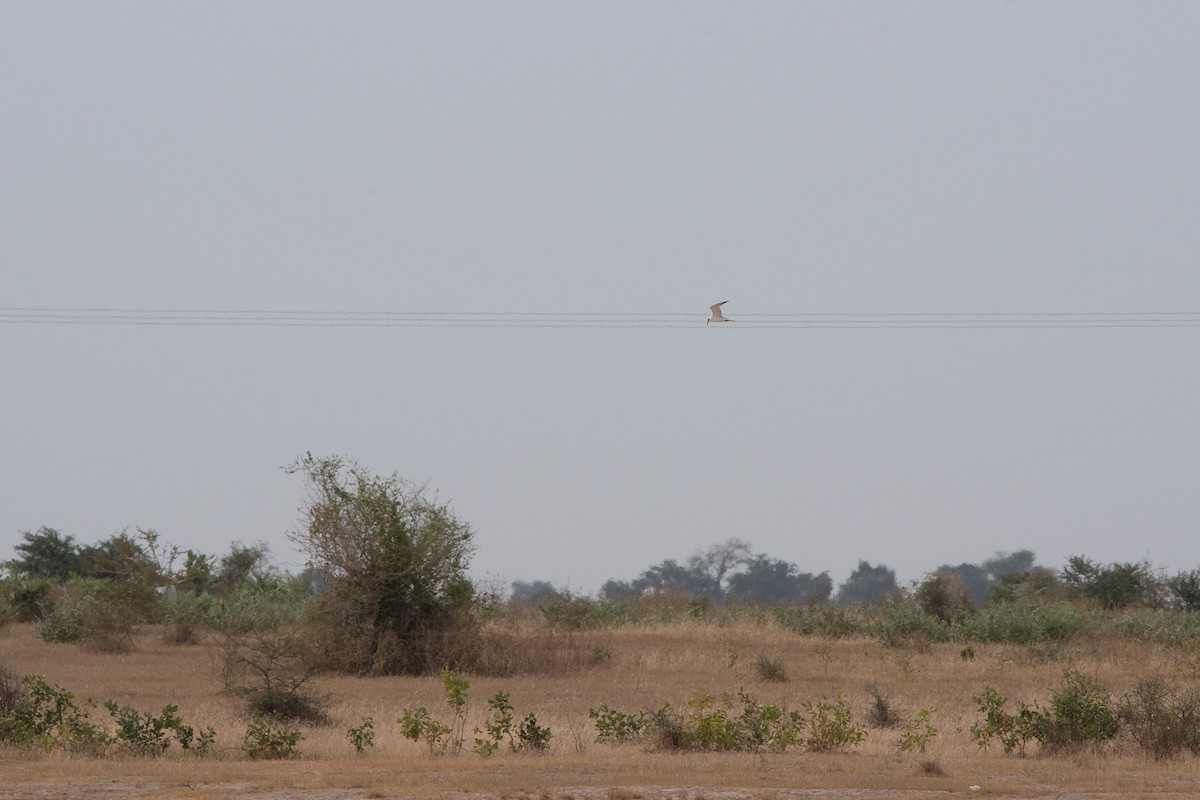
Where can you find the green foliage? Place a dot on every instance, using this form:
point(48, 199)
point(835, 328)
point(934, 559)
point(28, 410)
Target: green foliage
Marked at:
point(945, 596)
point(46, 553)
point(48, 717)
point(147, 734)
point(397, 564)
point(1184, 590)
point(266, 738)
point(917, 734)
point(532, 736)
point(766, 580)
point(867, 585)
point(27, 599)
point(618, 727)
point(737, 723)
point(416, 724)
point(1080, 714)
point(362, 736)
point(1114, 585)
point(831, 727)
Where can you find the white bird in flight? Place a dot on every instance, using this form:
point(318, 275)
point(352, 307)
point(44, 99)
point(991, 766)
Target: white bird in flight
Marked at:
point(717, 316)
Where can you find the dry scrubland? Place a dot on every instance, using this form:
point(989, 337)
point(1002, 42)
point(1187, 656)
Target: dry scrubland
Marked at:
point(646, 666)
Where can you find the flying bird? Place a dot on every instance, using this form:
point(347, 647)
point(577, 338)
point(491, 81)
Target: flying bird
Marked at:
point(717, 316)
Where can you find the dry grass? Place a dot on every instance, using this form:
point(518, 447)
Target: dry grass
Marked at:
point(647, 666)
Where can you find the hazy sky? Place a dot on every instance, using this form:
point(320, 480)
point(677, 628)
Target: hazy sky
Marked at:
point(645, 157)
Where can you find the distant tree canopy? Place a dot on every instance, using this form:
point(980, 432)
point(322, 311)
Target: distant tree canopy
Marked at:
point(46, 553)
point(726, 572)
point(533, 593)
point(868, 585)
point(978, 580)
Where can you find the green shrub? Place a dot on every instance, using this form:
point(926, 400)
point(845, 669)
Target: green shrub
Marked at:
point(532, 736)
point(743, 724)
point(1013, 730)
point(26, 598)
point(944, 595)
point(146, 734)
point(919, 733)
point(1080, 714)
point(417, 724)
point(46, 716)
point(830, 724)
point(618, 727)
point(363, 735)
point(268, 739)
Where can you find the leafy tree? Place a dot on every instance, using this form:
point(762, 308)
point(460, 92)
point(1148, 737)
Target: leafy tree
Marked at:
point(1112, 586)
point(397, 561)
point(976, 580)
point(46, 553)
point(868, 585)
point(766, 580)
point(1008, 563)
point(1184, 588)
point(1040, 582)
point(671, 577)
point(945, 595)
point(242, 563)
point(719, 560)
point(532, 593)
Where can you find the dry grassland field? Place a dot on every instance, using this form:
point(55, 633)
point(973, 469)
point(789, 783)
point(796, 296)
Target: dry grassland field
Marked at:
point(645, 666)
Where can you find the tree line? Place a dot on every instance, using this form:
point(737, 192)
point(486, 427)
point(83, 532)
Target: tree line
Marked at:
point(387, 588)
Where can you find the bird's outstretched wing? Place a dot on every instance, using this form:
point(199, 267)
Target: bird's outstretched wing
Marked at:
point(716, 309)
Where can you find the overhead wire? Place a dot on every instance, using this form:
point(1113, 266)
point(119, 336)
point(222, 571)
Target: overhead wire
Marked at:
point(314, 318)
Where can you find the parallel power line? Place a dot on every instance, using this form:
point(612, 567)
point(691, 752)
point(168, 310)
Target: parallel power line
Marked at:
point(584, 319)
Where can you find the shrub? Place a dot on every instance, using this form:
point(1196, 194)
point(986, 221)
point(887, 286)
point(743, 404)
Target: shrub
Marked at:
point(919, 733)
point(618, 727)
point(27, 598)
point(770, 669)
point(738, 723)
point(272, 670)
point(944, 596)
point(1161, 718)
point(1013, 731)
point(267, 739)
point(417, 724)
point(12, 695)
point(363, 735)
point(397, 561)
point(147, 734)
point(1080, 714)
point(830, 724)
point(881, 713)
point(46, 716)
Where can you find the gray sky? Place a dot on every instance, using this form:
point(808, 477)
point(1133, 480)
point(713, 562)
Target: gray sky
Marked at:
point(791, 157)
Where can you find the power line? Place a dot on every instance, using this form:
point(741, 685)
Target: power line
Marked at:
point(314, 318)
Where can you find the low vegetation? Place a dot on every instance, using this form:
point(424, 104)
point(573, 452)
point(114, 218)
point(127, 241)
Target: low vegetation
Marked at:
point(777, 662)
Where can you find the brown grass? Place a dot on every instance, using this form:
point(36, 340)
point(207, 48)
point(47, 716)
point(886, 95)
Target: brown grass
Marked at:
point(647, 666)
